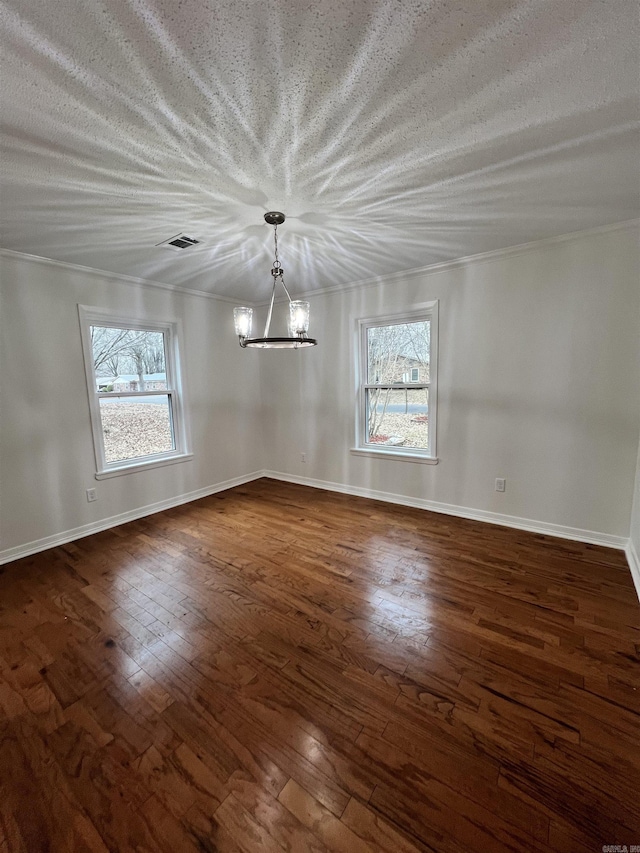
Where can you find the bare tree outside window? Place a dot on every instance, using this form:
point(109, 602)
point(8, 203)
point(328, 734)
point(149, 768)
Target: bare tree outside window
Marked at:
point(127, 351)
point(396, 383)
point(108, 345)
point(135, 391)
point(133, 426)
point(154, 356)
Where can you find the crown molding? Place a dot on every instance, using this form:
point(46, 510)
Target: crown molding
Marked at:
point(115, 276)
point(374, 281)
point(457, 263)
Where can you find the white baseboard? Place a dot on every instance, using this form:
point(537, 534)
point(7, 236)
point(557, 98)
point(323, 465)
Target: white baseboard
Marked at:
point(634, 564)
point(26, 550)
point(563, 532)
point(573, 533)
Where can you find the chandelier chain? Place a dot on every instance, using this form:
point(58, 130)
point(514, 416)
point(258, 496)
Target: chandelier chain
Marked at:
point(277, 272)
point(277, 266)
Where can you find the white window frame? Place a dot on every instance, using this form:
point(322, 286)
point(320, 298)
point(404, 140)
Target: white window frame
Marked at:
point(171, 329)
point(426, 311)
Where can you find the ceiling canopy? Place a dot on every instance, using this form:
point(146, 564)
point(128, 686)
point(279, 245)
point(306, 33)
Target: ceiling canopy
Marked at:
point(393, 135)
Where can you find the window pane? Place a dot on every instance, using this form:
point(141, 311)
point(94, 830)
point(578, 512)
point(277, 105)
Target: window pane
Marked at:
point(134, 427)
point(128, 359)
point(398, 417)
point(398, 353)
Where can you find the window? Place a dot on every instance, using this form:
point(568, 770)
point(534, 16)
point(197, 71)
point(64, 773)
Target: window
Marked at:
point(397, 385)
point(135, 399)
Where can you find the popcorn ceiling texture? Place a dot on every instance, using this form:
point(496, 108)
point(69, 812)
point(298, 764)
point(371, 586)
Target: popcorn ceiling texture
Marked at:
point(392, 134)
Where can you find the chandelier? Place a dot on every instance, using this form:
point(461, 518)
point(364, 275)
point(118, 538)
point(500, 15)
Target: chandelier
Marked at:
point(298, 324)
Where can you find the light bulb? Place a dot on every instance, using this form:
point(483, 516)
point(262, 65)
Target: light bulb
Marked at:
point(298, 317)
point(242, 320)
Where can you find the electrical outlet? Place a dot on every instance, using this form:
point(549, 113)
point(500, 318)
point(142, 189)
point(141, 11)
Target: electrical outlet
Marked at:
point(303, 457)
point(500, 484)
point(92, 495)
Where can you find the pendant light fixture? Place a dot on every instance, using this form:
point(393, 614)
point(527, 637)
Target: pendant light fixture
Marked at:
point(298, 311)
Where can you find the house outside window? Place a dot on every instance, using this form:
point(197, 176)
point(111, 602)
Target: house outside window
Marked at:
point(136, 400)
point(397, 382)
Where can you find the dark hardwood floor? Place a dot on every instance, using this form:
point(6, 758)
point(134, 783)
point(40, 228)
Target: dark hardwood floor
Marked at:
point(281, 668)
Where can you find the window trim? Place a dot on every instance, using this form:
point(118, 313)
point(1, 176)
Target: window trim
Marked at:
point(172, 329)
point(424, 311)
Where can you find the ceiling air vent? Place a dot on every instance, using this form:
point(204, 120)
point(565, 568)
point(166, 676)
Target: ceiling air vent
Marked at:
point(179, 242)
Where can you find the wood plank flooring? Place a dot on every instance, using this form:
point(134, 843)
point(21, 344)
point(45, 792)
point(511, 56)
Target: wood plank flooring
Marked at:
point(281, 668)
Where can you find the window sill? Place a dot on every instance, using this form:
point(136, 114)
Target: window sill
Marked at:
point(403, 455)
point(142, 466)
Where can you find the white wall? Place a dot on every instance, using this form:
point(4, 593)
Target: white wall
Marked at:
point(46, 451)
point(538, 383)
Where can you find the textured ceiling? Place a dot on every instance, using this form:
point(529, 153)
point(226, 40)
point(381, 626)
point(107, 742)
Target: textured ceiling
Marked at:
point(392, 134)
